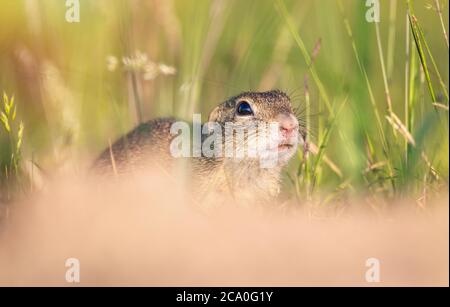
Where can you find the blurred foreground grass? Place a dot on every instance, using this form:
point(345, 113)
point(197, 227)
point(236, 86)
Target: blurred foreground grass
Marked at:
point(374, 95)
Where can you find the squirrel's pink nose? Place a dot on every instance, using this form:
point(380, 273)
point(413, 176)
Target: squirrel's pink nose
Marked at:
point(288, 124)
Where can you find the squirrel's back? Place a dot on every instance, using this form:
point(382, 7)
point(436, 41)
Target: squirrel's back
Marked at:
point(149, 142)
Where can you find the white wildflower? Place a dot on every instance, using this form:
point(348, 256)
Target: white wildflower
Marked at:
point(150, 71)
point(111, 62)
point(139, 62)
point(166, 69)
point(136, 62)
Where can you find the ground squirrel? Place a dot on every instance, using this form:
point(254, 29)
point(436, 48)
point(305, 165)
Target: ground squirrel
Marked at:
point(242, 178)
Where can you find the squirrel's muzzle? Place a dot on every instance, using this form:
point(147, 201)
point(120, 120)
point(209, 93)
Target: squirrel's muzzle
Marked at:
point(288, 125)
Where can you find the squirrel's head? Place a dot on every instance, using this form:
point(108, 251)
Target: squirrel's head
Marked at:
point(271, 108)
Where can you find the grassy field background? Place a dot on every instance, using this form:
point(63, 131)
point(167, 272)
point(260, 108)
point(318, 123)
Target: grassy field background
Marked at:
point(374, 95)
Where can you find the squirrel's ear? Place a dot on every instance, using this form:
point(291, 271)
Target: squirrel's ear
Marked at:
point(214, 115)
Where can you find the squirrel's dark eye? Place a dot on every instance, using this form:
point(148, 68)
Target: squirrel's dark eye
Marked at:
point(244, 109)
